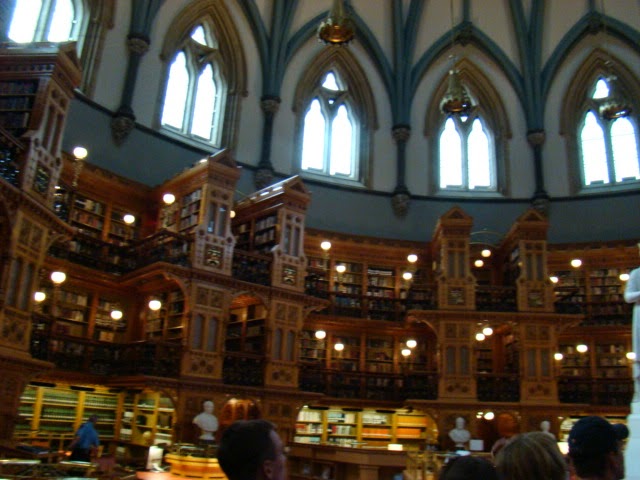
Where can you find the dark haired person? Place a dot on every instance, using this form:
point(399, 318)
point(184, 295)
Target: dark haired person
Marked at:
point(468, 468)
point(532, 456)
point(86, 441)
point(252, 450)
point(595, 449)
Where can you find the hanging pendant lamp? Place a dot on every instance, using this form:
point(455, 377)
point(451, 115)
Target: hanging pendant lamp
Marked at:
point(337, 29)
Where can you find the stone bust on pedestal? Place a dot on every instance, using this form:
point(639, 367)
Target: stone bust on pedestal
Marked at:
point(460, 435)
point(207, 422)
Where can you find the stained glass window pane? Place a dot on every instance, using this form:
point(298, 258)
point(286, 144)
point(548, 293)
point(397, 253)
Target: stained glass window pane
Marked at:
point(625, 150)
point(478, 157)
point(601, 90)
point(450, 156)
point(25, 19)
point(341, 143)
point(330, 82)
point(61, 22)
point(313, 140)
point(594, 154)
point(199, 36)
point(205, 104)
point(176, 97)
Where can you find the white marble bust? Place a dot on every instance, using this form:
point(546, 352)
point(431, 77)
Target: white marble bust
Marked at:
point(207, 422)
point(460, 435)
point(545, 427)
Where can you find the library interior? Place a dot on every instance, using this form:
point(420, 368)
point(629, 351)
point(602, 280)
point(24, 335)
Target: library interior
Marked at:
point(444, 270)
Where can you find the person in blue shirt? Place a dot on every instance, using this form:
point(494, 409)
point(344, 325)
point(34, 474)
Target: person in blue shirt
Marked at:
point(86, 441)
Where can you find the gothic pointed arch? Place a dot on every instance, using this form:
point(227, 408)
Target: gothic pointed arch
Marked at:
point(489, 108)
point(354, 93)
point(223, 55)
point(578, 101)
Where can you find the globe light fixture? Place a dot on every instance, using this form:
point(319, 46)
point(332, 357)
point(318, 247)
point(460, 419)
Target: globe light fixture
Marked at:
point(582, 348)
point(624, 277)
point(58, 277)
point(558, 356)
point(129, 219)
point(39, 296)
point(486, 253)
point(116, 314)
point(155, 304)
point(325, 245)
point(479, 263)
point(405, 352)
point(411, 343)
point(489, 416)
point(480, 337)
point(320, 334)
point(339, 347)
point(487, 331)
point(407, 276)
point(631, 355)
point(576, 263)
point(168, 198)
point(412, 258)
point(554, 279)
point(341, 268)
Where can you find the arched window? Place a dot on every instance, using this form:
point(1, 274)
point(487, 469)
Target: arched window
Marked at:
point(330, 132)
point(609, 151)
point(193, 103)
point(336, 117)
point(466, 159)
point(469, 151)
point(46, 21)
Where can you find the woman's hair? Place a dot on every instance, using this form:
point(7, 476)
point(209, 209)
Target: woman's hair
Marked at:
point(468, 468)
point(531, 456)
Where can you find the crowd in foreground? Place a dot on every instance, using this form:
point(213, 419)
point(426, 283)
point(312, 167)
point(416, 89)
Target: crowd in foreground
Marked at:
point(252, 450)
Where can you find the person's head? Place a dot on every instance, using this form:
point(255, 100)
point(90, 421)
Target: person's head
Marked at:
point(468, 468)
point(531, 456)
point(208, 406)
point(595, 448)
point(93, 419)
point(250, 450)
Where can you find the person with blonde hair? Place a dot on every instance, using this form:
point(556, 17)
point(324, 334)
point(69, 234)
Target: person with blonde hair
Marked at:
point(532, 456)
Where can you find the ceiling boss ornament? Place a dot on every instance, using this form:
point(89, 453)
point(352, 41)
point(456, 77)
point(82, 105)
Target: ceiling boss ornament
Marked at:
point(337, 29)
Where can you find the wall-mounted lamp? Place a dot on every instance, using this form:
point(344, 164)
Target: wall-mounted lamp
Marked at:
point(341, 268)
point(480, 337)
point(412, 258)
point(489, 416)
point(39, 297)
point(58, 278)
point(168, 198)
point(486, 253)
point(339, 347)
point(325, 246)
point(128, 219)
point(487, 331)
point(558, 356)
point(155, 304)
point(576, 263)
point(320, 334)
point(624, 277)
point(554, 279)
point(631, 356)
point(116, 315)
point(79, 154)
point(582, 348)
point(479, 263)
point(405, 352)
point(411, 343)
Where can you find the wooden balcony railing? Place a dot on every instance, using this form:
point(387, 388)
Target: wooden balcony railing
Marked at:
point(592, 391)
point(497, 388)
point(252, 267)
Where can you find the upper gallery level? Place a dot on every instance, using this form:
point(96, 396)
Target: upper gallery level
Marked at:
point(364, 124)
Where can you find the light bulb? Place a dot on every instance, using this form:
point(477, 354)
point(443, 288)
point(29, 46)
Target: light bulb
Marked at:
point(341, 268)
point(489, 416)
point(487, 331)
point(116, 314)
point(582, 348)
point(168, 198)
point(558, 356)
point(58, 277)
point(631, 355)
point(325, 245)
point(480, 337)
point(320, 334)
point(405, 352)
point(80, 153)
point(39, 296)
point(624, 277)
point(412, 258)
point(155, 304)
point(339, 346)
point(129, 219)
point(479, 263)
point(411, 343)
point(407, 275)
point(486, 253)
point(554, 279)
point(576, 263)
